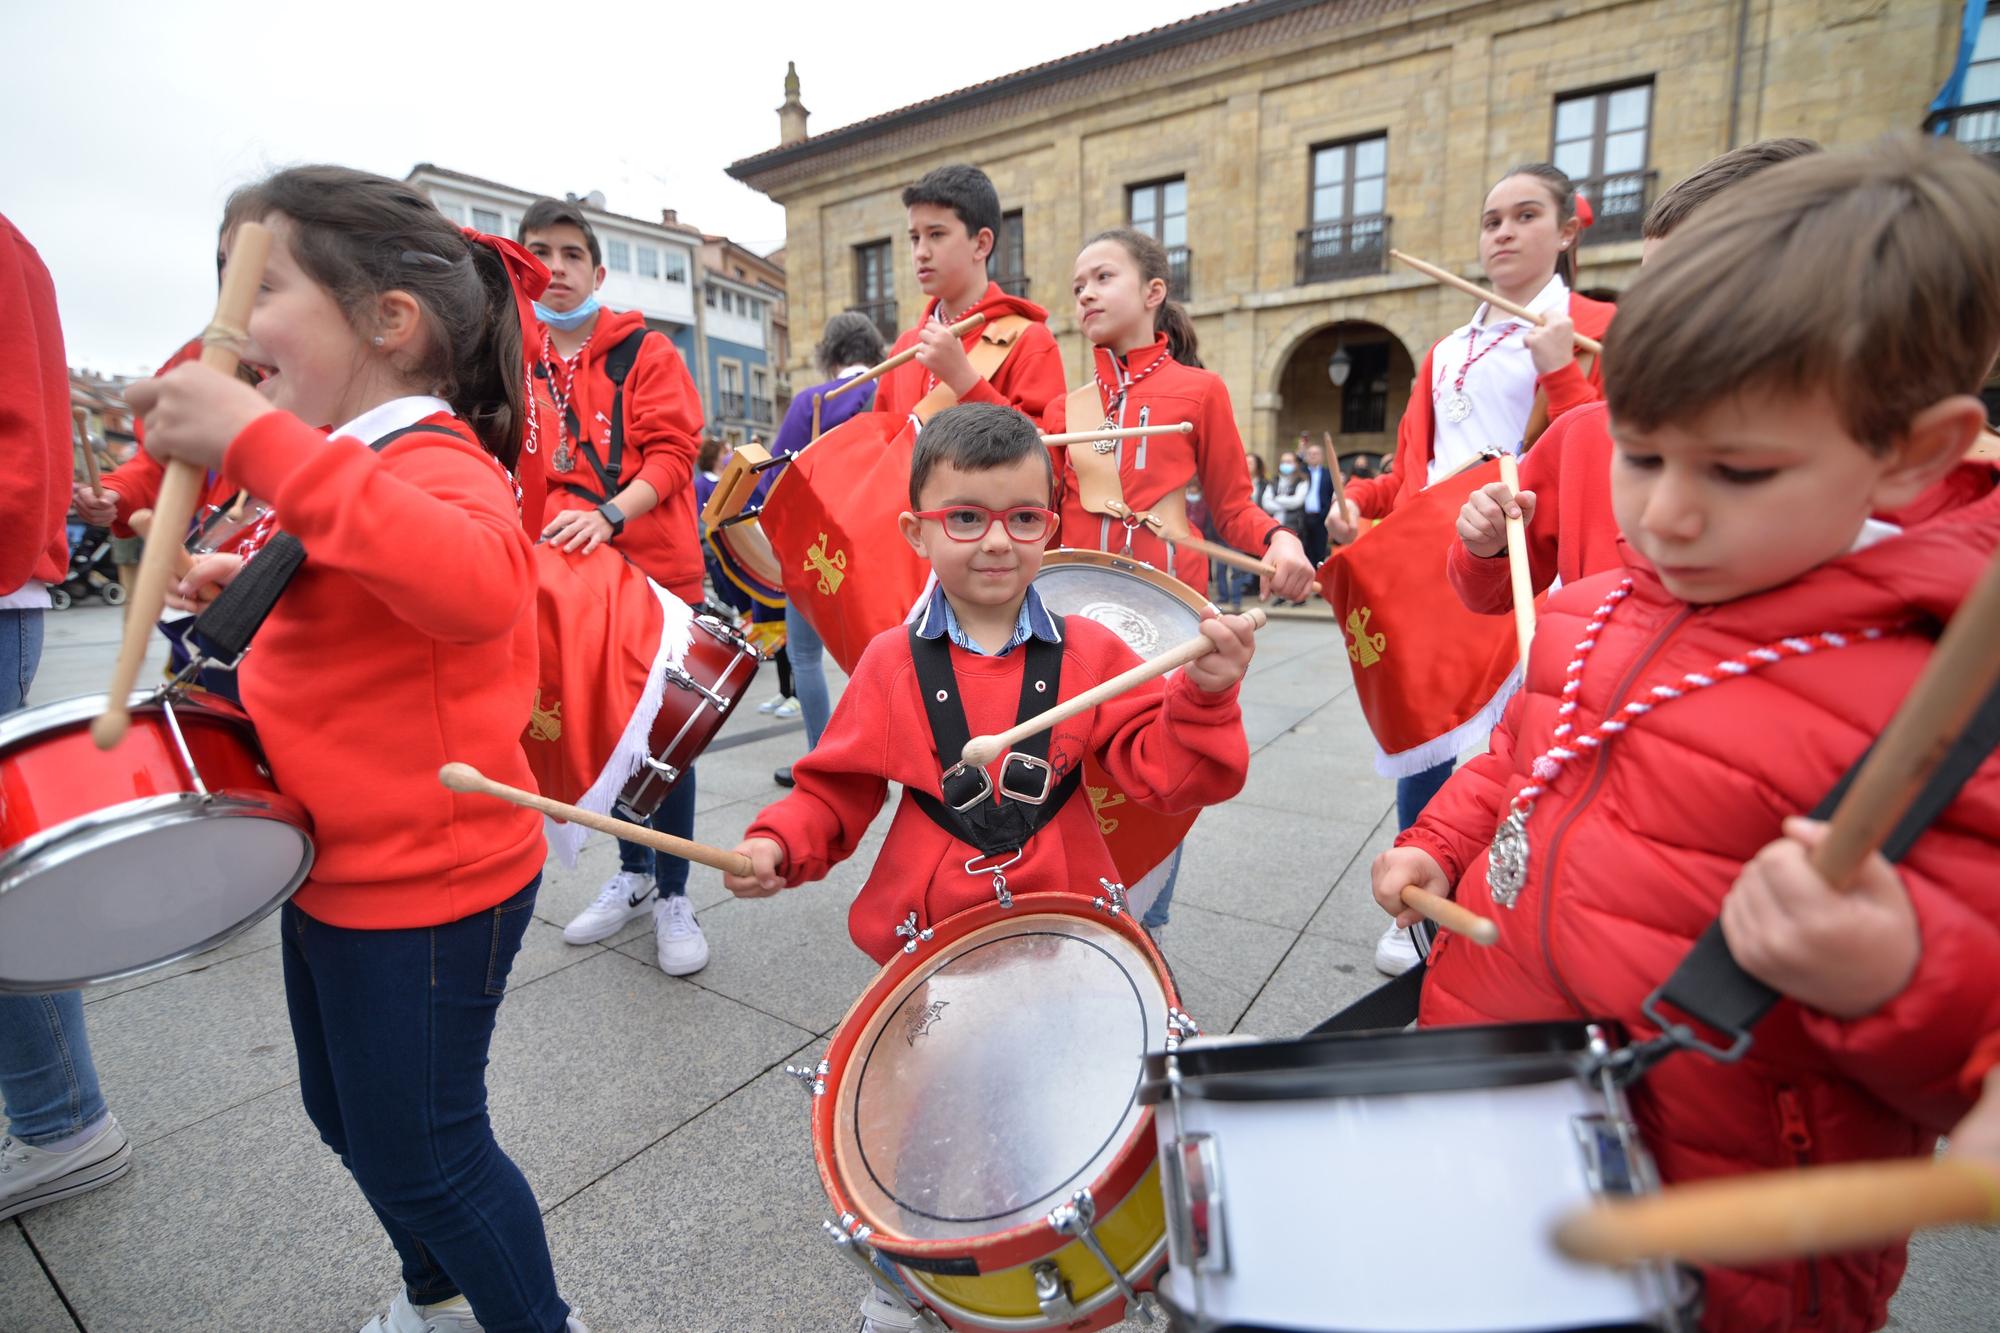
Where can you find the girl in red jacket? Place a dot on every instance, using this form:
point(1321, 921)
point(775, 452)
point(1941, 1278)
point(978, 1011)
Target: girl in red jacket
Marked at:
point(406, 639)
point(1788, 366)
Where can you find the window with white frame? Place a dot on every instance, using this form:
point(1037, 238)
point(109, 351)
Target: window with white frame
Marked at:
point(676, 266)
point(618, 254)
point(649, 262)
point(486, 220)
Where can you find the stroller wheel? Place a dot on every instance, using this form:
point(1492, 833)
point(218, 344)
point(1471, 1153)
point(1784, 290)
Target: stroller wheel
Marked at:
point(58, 598)
point(113, 593)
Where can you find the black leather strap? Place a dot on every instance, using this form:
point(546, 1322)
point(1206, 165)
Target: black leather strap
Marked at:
point(618, 363)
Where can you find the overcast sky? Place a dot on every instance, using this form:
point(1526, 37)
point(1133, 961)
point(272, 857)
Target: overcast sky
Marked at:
point(128, 124)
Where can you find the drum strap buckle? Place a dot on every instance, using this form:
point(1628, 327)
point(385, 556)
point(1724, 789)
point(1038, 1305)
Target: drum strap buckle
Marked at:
point(998, 870)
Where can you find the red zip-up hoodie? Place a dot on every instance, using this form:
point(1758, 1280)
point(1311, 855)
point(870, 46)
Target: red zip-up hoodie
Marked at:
point(406, 640)
point(662, 443)
point(1029, 379)
point(1153, 468)
point(1632, 849)
point(34, 420)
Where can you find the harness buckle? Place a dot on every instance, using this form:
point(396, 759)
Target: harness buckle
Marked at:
point(951, 776)
point(1017, 768)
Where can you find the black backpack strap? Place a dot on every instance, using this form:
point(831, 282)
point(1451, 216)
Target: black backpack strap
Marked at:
point(1389, 1006)
point(225, 627)
point(618, 363)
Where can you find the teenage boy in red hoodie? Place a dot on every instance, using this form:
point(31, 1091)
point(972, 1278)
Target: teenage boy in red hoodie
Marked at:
point(1789, 365)
point(620, 470)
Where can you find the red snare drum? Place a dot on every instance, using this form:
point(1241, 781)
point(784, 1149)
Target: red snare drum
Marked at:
point(114, 863)
point(701, 694)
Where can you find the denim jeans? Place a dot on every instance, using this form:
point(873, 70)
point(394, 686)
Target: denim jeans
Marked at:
point(1162, 906)
point(808, 654)
point(676, 816)
point(20, 654)
point(1414, 793)
point(392, 1029)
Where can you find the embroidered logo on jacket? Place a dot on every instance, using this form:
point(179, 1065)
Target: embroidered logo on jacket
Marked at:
point(545, 724)
point(832, 569)
point(1367, 649)
point(1102, 799)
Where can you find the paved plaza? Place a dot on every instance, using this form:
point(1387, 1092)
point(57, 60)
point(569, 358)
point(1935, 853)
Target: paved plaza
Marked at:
point(651, 1114)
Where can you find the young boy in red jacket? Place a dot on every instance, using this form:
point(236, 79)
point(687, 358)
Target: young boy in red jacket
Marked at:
point(1788, 366)
point(980, 486)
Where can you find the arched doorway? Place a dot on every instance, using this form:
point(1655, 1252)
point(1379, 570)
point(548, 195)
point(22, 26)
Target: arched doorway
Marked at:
point(1374, 371)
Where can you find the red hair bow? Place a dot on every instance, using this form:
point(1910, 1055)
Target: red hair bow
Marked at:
point(1584, 216)
point(527, 275)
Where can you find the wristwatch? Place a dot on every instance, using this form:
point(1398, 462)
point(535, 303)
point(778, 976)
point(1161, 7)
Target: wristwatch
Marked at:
point(613, 516)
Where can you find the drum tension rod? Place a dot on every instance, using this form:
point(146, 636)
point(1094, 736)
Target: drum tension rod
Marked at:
point(812, 1076)
point(857, 1249)
point(1076, 1219)
point(1112, 901)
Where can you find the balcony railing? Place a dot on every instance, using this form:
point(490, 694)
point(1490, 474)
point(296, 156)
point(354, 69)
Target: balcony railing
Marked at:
point(1349, 249)
point(760, 411)
point(1620, 203)
point(883, 313)
point(1180, 271)
point(729, 406)
point(1976, 126)
point(1014, 284)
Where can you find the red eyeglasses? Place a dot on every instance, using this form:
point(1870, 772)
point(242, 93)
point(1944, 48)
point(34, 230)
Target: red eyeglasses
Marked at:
point(971, 523)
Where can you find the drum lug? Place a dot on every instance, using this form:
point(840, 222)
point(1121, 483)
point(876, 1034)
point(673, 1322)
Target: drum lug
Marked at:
point(1112, 901)
point(1052, 1293)
point(1077, 1220)
point(666, 771)
point(812, 1076)
point(908, 930)
point(852, 1241)
point(681, 678)
point(1179, 1028)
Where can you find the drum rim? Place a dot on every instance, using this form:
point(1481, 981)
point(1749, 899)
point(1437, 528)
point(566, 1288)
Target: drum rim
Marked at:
point(1070, 557)
point(88, 833)
point(1348, 1064)
point(27, 723)
point(722, 535)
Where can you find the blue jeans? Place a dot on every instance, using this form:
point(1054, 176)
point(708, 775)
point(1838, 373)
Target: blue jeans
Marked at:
point(47, 1080)
point(392, 1029)
point(1162, 906)
point(1414, 793)
point(676, 816)
point(808, 653)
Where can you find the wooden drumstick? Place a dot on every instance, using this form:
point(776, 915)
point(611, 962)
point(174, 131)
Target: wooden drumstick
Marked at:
point(1960, 673)
point(1517, 560)
point(1453, 917)
point(1116, 433)
point(1776, 1215)
point(983, 750)
point(89, 454)
point(180, 488)
point(1450, 279)
point(958, 330)
point(1339, 482)
point(1228, 555)
point(466, 778)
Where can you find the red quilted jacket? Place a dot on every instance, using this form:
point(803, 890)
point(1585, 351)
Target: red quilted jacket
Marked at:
point(1632, 851)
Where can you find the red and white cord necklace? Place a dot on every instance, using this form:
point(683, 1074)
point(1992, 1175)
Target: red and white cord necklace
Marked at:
point(1507, 865)
point(1458, 405)
point(563, 460)
point(1114, 394)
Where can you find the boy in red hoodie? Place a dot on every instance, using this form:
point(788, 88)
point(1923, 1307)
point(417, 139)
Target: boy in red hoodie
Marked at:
point(1788, 366)
point(980, 485)
point(620, 469)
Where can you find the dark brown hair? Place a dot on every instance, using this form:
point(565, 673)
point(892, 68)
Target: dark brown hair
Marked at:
point(966, 191)
point(975, 437)
point(1717, 174)
point(1172, 317)
point(359, 236)
point(1563, 191)
point(1871, 276)
point(546, 213)
point(850, 339)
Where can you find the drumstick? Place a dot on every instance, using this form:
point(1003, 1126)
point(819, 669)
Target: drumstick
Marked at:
point(89, 454)
point(466, 778)
point(1228, 555)
point(983, 750)
point(1450, 279)
point(1776, 1215)
point(1454, 918)
point(1961, 672)
point(959, 330)
point(1517, 560)
point(1116, 433)
point(1339, 482)
point(181, 486)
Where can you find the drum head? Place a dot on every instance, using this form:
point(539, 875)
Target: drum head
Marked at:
point(998, 1078)
point(140, 885)
point(1149, 610)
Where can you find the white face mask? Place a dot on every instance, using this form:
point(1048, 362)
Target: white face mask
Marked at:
point(1287, 469)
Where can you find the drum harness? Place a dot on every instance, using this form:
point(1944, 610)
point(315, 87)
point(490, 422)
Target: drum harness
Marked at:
point(618, 363)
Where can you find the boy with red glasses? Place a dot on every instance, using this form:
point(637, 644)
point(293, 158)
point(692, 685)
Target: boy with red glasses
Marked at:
point(980, 653)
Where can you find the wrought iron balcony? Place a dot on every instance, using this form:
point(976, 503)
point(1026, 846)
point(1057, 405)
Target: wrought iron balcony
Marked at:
point(1976, 126)
point(1014, 284)
point(760, 411)
point(729, 406)
point(1351, 248)
point(883, 313)
point(1620, 203)
point(1180, 269)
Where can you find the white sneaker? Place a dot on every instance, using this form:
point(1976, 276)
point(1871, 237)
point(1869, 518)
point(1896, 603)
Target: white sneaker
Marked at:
point(789, 708)
point(621, 901)
point(31, 1176)
point(1395, 952)
point(880, 1314)
point(771, 705)
point(452, 1316)
point(678, 935)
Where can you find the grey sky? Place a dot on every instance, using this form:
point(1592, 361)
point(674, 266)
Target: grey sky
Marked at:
point(128, 124)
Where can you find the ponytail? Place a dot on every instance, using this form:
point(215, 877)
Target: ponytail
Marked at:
point(490, 377)
point(1563, 192)
point(1172, 317)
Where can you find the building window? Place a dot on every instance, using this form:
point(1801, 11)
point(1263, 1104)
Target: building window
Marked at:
point(1602, 140)
point(1159, 208)
point(1011, 271)
point(456, 212)
point(486, 220)
point(729, 390)
point(649, 262)
point(1364, 399)
point(874, 287)
point(708, 297)
point(618, 255)
point(677, 269)
point(1347, 234)
point(760, 396)
point(1975, 121)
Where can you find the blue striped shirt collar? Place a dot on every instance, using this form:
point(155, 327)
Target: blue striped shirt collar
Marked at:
point(1034, 622)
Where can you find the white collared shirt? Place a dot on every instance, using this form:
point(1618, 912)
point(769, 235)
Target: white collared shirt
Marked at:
point(1501, 384)
point(393, 415)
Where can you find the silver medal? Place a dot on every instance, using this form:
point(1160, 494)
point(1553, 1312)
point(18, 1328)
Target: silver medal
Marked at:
point(1507, 861)
point(1457, 407)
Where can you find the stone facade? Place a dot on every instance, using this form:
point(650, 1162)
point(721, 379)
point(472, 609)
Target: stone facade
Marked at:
point(1236, 101)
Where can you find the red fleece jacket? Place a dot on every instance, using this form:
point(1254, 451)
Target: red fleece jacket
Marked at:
point(662, 443)
point(406, 640)
point(1153, 468)
point(1170, 746)
point(1030, 378)
point(34, 419)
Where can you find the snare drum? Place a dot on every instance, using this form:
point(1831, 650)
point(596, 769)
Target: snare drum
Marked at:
point(703, 690)
point(976, 1124)
point(1311, 1183)
point(115, 862)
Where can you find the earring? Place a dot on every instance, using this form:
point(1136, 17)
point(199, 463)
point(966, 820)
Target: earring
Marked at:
point(377, 340)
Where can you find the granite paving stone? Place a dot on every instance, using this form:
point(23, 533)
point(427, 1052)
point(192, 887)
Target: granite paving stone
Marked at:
point(1318, 978)
point(1267, 865)
point(1349, 911)
point(263, 935)
point(1220, 962)
point(28, 1304)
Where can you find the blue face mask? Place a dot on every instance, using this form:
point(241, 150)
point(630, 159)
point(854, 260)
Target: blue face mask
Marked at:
point(567, 319)
point(1287, 469)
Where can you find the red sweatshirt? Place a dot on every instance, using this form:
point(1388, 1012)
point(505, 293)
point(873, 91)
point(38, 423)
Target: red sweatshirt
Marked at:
point(1985, 1059)
point(662, 442)
point(1170, 746)
point(406, 640)
point(34, 420)
point(1153, 468)
point(1031, 378)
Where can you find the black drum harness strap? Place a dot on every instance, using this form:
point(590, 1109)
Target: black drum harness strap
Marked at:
point(1030, 792)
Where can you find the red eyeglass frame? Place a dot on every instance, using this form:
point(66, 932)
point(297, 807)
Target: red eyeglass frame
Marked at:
point(1050, 516)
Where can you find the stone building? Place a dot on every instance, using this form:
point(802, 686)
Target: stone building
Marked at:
point(1279, 147)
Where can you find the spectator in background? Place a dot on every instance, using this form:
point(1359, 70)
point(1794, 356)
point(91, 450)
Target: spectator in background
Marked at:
point(1285, 498)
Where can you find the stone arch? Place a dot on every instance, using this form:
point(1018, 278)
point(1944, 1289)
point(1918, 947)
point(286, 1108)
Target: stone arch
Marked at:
point(1361, 415)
